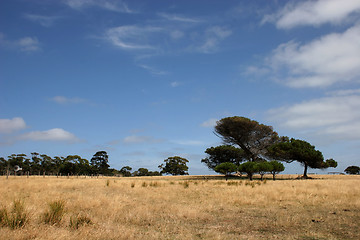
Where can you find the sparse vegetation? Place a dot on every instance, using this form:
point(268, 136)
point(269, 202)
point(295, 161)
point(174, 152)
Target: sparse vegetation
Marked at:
point(184, 207)
point(55, 213)
point(16, 218)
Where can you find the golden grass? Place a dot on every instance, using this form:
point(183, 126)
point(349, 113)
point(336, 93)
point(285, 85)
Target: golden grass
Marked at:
point(190, 207)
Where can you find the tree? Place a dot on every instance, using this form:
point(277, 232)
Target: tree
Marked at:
point(263, 167)
point(277, 167)
point(125, 171)
point(223, 154)
point(352, 170)
point(302, 152)
point(249, 168)
point(252, 137)
point(3, 166)
point(226, 168)
point(174, 166)
point(100, 162)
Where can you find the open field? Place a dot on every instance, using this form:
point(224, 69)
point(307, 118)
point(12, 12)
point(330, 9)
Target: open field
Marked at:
point(189, 207)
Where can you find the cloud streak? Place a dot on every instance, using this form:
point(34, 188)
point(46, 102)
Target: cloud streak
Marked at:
point(66, 100)
point(111, 5)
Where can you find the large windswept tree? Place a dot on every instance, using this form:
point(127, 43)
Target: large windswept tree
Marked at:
point(302, 152)
point(252, 137)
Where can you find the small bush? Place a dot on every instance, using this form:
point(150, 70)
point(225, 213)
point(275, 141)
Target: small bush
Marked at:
point(154, 184)
point(55, 213)
point(186, 184)
point(78, 221)
point(132, 184)
point(107, 182)
point(16, 218)
point(144, 184)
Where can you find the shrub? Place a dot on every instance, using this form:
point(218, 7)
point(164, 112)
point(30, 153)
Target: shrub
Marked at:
point(16, 218)
point(55, 213)
point(78, 221)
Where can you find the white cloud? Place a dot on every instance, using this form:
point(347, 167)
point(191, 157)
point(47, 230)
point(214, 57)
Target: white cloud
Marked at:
point(55, 134)
point(175, 84)
point(213, 37)
point(314, 13)
point(325, 61)
point(111, 5)
point(12, 125)
point(25, 44)
point(131, 37)
point(133, 139)
point(174, 17)
point(336, 117)
point(153, 70)
point(45, 21)
point(65, 100)
point(210, 122)
point(188, 142)
point(176, 34)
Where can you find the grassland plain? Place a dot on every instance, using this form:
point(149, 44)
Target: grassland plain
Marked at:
point(190, 207)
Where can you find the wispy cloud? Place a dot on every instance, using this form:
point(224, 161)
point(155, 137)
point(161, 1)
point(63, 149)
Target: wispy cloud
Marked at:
point(314, 13)
point(66, 100)
point(111, 5)
point(213, 37)
point(55, 134)
point(331, 118)
point(134, 139)
point(179, 18)
point(45, 21)
point(25, 44)
point(331, 59)
point(209, 123)
point(153, 70)
point(132, 37)
point(28, 44)
point(188, 142)
point(12, 125)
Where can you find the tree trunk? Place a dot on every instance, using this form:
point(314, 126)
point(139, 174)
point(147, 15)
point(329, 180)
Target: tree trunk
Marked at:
point(250, 176)
point(274, 176)
point(305, 171)
point(262, 177)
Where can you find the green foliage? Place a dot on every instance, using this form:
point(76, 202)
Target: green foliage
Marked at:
point(352, 170)
point(226, 168)
point(99, 162)
point(263, 168)
point(125, 171)
point(277, 167)
point(55, 213)
point(300, 151)
point(80, 220)
point(249, 168)
point(252, 137)
point(174, 166)
point(16, 218)
point(222, 154)
point(330, 163)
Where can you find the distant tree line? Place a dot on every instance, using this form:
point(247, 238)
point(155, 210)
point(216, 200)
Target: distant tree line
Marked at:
point(42, 164)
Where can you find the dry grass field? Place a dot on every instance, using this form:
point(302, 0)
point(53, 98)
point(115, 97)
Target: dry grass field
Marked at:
point(190, 207)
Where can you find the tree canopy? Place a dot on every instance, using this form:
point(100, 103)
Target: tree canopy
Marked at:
point(226, 168)
point(302, 152)
point(352, 170)
point(174, 166)
point(222, 154)
point(252, 137)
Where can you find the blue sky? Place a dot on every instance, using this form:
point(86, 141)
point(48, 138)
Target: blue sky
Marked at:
point(147, 80)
